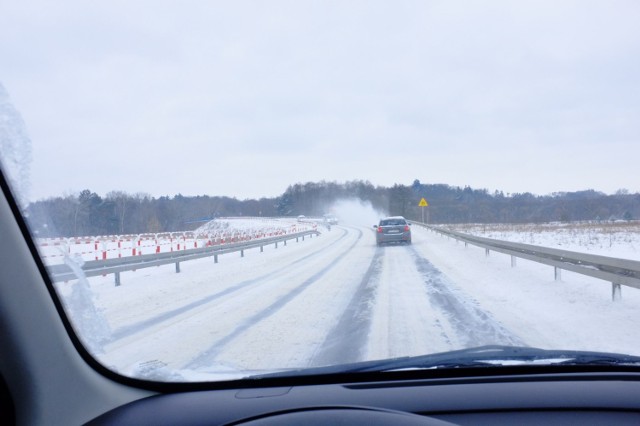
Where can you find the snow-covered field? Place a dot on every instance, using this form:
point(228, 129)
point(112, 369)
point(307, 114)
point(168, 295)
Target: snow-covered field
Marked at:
point(614, 239)
point(339, 298)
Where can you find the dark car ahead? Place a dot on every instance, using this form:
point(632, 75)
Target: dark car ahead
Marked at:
point(393, 230)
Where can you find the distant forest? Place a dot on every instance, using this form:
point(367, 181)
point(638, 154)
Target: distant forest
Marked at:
point(87, 213)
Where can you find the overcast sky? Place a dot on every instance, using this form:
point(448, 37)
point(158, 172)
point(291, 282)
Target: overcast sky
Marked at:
point(244, 98)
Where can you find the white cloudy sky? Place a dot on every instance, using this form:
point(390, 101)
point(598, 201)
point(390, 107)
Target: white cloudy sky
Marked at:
point(243, 98)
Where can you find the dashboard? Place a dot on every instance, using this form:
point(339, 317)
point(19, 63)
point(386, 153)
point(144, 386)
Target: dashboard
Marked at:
point(582, 398)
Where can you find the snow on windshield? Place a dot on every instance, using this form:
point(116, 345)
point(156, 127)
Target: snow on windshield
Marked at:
point(15, 147)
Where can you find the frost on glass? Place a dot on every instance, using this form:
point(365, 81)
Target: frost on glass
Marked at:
point(15, 148)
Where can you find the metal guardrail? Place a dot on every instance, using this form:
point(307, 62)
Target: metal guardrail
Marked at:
point(94, 268)
point(617, 271)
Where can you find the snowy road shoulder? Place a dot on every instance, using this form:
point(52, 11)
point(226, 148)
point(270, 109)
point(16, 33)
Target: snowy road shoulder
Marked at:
point(574, 313)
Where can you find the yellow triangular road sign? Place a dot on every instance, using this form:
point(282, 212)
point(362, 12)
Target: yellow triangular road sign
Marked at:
point(423, 203)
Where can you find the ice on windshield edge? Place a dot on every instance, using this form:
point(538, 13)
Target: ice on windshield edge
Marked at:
point(15, 148)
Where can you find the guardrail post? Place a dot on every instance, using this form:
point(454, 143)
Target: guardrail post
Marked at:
point(261, 249)
point(215, 258)
point(117, 275)
point(466, 244)
point(557, 273)
point(486, 252)
point(285, 242)
point(513, 261)
point(177, 267)
point(276, 244)
point(616, 292)
point(297, 239)
point(303, 238)
point(241, 253)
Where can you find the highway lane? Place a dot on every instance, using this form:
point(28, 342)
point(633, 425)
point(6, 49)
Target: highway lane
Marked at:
point(338, 299)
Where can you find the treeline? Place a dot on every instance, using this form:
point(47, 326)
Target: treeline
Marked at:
point(452, 204)
point(466, 205)
point(87, 213)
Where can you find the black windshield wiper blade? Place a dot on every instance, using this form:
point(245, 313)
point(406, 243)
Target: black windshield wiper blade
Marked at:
point(483, 356)
point(596, 358)
point(496, 355)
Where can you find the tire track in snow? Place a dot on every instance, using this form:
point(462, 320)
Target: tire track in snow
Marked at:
point(345, 342)
point(131, 329)
point(207, 357)
point(470, 325)
point(403, 323)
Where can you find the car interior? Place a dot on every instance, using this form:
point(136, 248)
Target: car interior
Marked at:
point(49, 378)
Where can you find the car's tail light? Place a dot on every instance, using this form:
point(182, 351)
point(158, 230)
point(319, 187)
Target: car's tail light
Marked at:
point(406, 228)
point(379, 229)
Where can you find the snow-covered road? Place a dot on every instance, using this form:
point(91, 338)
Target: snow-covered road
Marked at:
point(339, 298)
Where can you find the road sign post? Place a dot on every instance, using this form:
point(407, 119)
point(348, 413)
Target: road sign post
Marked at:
point(422, 204)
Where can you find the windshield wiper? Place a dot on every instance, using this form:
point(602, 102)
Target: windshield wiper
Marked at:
point(496, 355)
point(482, 356)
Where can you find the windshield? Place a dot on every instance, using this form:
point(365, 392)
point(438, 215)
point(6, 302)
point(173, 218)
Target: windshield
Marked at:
point(207, 182)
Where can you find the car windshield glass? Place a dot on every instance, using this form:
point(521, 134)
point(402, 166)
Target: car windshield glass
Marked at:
point(202, 181)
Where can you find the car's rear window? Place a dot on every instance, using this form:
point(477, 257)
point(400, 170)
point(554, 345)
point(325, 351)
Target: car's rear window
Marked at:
point(392, 222)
